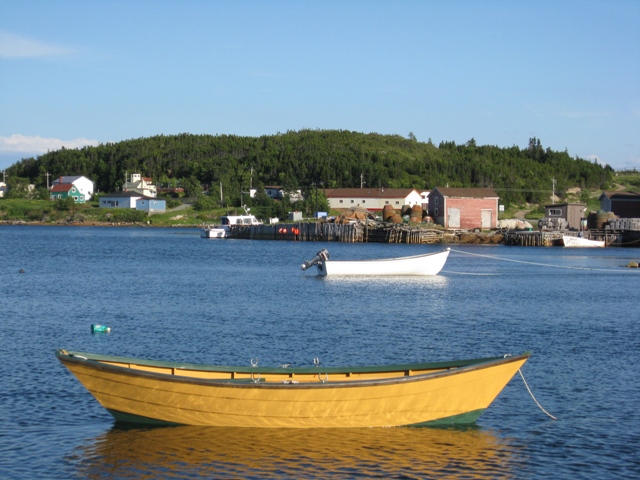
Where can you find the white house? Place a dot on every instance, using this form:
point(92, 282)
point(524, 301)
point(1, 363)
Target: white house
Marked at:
point(372, 198)
point(3, 189)
point(277, 193)
point(141, 185)
point(83, 184)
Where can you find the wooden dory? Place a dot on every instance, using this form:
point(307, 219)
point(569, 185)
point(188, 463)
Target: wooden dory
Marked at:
point(581, 242)
point(441, 393)
point(425, 264)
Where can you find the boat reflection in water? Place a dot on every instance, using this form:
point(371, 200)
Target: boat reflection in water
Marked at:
point(212, 452)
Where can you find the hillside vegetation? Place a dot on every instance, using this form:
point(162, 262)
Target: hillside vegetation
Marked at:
point(329, 158)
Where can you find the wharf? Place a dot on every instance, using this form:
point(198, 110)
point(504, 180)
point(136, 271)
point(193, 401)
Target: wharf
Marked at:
point(335, 232)
point(611, 238)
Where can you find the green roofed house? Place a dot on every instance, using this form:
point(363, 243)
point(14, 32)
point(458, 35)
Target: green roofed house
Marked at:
point(66, 190)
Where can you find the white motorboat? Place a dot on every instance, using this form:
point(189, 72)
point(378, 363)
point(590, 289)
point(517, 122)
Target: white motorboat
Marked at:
point(581, 242)
point(424, 264)
point(227, 222)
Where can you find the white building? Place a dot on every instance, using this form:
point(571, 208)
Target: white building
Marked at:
point(3, 189)
point(372, 198)
point(141, 185)
point(83, 184)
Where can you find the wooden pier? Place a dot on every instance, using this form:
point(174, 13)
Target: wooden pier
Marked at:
point(335, 232)
point(532, 238)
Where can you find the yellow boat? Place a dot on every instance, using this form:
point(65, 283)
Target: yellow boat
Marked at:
point(421, 394)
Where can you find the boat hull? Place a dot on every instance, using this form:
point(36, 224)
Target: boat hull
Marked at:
point(579, 242)
point(292, 398)
point(427, 264)
point(213, 232)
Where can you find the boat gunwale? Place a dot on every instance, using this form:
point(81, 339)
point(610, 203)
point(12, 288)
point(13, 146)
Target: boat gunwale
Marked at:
point(375, 260)
point(442, 369)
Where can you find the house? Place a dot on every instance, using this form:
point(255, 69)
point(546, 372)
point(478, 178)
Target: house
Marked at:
point(120, 200)
point(3, 189)
point(151, 205)
point(82, 184)
point(141, 185)
point(622, 204)
point(372, 198)
point(425, 200)
point(277, 193)
point(465, 208)
point(66, 190)
point(564, 215)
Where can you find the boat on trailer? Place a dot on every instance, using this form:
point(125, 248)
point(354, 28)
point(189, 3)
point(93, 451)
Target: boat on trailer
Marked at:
point(424, 264)
point(581, 242)
point(418, 394)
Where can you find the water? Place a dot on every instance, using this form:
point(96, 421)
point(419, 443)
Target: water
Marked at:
point(168, 294)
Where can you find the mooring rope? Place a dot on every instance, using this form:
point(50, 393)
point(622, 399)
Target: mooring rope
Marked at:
point(534, 398)
point(493, 257)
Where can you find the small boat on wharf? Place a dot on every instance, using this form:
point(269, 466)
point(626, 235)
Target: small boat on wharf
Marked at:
point(581, 242)
point(420, 394)
point(227, 222)
point(425, 264)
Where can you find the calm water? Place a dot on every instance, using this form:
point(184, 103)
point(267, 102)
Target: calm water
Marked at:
point(168, 294)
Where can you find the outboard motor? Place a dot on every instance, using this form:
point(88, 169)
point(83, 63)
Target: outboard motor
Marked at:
point(321, 256)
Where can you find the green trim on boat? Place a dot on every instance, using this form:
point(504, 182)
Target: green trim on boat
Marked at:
point(129, 418)
point(465, 418)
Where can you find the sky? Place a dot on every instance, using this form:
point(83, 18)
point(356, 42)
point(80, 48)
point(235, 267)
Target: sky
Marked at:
point(77, 72)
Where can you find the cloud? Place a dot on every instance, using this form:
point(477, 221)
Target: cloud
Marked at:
point(36, 145)
point(16, 46)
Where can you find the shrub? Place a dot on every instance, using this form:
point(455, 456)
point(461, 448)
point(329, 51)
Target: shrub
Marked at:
point(128, 215)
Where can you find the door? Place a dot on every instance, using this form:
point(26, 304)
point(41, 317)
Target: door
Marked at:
point(487, 217)
point(453, 218)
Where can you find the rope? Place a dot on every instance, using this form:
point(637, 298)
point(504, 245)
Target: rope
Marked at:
point(534, 398)
point(543, 264)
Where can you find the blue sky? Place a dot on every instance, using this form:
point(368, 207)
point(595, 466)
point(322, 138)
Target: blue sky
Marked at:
point(77, 73)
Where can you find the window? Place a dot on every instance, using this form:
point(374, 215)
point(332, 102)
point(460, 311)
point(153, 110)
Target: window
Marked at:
point(435, 212)
point(555, 212)
point(386, 202)
point(397, 202)
point(436, 201)
point(341, 201)
point(351, 201)
point(363, 201)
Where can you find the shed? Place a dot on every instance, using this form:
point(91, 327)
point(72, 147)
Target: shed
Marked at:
point(622, 204)
point(151, 205)
point(571, 212)
point(466, 208)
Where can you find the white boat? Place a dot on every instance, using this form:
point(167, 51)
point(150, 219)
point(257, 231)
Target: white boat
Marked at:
point(581, 242)
point(425, 264)
point(225, 230)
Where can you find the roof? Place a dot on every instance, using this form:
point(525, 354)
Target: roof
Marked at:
point(64, 187)
point(368, 192)
point(467, 192)
point(620, 195)
point(126, 195)
point(67, 179)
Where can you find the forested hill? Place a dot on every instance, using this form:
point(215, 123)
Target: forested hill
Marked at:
point(333, 158)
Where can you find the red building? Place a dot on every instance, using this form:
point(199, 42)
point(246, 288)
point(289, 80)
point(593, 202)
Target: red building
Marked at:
point(464, 208)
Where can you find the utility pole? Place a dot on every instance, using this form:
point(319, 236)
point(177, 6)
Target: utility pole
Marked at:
point(553, 190)
point(47, 175)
